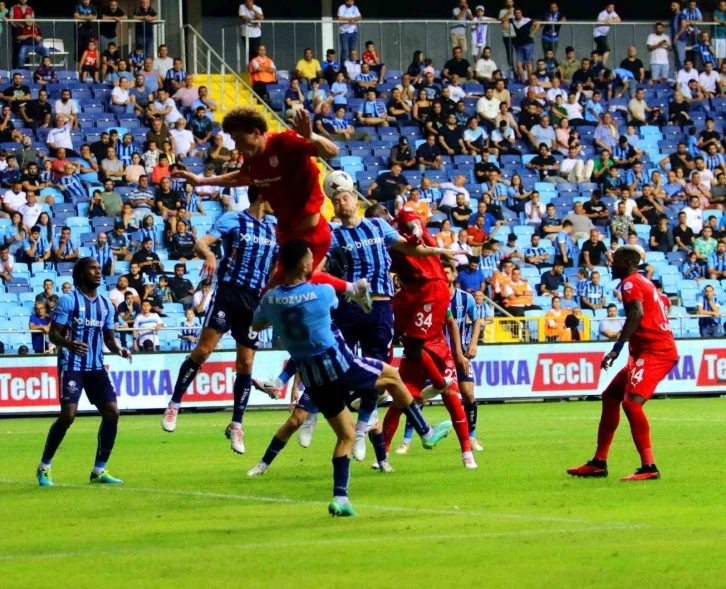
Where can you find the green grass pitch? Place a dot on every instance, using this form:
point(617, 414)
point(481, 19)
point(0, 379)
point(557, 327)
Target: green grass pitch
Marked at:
point(188, 516)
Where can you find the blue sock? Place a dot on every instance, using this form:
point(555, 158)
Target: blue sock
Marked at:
point(379, 445)
point(341, 476)
point(56, 433)
point(471, 414)
point(242, 387)
point(367, 407)
point(416, 418)
point(288, 370)
point(187, 373)
point(106, 439)
point(408, 432)
point(275, 447)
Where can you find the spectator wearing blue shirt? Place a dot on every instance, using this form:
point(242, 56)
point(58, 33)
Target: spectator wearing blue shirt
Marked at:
point(703, 50)
point(365, 80)
point(593, 293)
point(679, 34)
point(331, 67)
point(122, 72)
point(84, 13)
point(210, 106)
point(471, 279)
point(35, 247)
point(294, 98)
point(692, 269)
point(635, 179)
point(39, 324)
point(564, 246)
point(717, 263)
point(339, 90)
point(710, 324)
point(65, 249)
point(593, 108)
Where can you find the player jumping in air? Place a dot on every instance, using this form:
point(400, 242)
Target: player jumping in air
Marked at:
point(82, 322)
point(652, 356)
point(299, 312)
point(250, 253)
point(280, 165)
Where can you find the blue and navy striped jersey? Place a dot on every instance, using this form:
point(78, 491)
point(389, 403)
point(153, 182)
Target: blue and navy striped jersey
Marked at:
point(365, 247)
point(463, 307)
point(177, 76)
point(340, 124)
point(69, 247)
point(706, 54)
point(714, 161)
point(84, 320)
point(145, 232)
point(534, 252)
point(103, 255)
point(593, 293)
point(718, 263)
point(178, 185)
point(570, 246)
point(707, 321)
point(490, 262)
point(250, 249)
point(191, 203)
point(124, 152)
point(72, 186)
point(691, 271)
point(188, 331)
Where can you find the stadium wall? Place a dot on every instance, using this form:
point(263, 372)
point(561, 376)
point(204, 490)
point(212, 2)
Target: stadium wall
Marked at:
point(529, 371)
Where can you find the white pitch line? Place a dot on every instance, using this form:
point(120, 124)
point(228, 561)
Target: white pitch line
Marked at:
point(289, 501)
point(337, 542)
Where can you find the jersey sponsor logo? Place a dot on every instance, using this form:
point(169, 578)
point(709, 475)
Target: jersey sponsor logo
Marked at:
point(567, 371)
point(89, 322)
point(257, 239)
point(264, 182)
point(363, 243)
point(713, 368)
point(27, 387)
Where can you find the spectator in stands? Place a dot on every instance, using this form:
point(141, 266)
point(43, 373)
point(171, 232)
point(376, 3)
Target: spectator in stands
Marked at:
point(317, 96)
point(218, 154)
point(536, 255)
point(600, 33)
point(118, 295)
point(263, 72)
point(134, 277)
point(421, 108)
point(451, 137)
point(365, 81)
point(7, 263)
point(471, 278)
point(552, 282)
point(164, 106)
point(250, 16)
point(44, 296)
point(134, 170)
point(331, 68)
point(112, 167)
point(485, 66)
point(339, 91)
point(518, 295)
point(436, 118)
point(373, 111)
point(658, 44)
point(60, 137)
point(461, 213)
point(348, 16)
point(141, 198)
point(384, 188)
point(96, 207)
point(167, 202)
point(610, 328)
point(182, 244)
point(29, 40)
point(594, 253)
point(457, 65)
point(344, 131)
point(183, 139)
point(308, 67)
point(120, 243)
point(202, 298)
point(592, 293)
point(204, 100)
point(398, 108)
point(121, 99)
point(294, 99)
point(402, 155)
point(555, 320)
point(122, 71)
point(189, 333)
point(638, 109)
point(461, 245)
point(477, 233)
point(35, 247)
point(487, 107)
point(39, 324)
point(181, 287)
point(109, 62)
point(146, 325)
point(546, 165)
point(145, 30)
point(13, 198)
point(661, 236)
point(103, 254)
point(157, 134)
point(534, 210)
point(17, 94)
point(111, 199)
point(175, 79)
point(373, 59)
point(8, 132)
point(112, 15)
point(705, 245)
point(45, 72)
point(147, 258)
point(352, 64)
point(710, 324)
point(524, 30)
point(127, 310)
point(36, 113)
point(30, 210)
point(475, 137)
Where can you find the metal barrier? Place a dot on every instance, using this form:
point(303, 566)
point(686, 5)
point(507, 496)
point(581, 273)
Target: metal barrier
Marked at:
point(397, 40)
point(62, 36)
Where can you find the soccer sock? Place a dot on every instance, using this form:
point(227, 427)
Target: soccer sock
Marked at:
point(242, 386)
point(640, 428)
point(429, 367)
point(408, 432)
point(471, 410)
point(458, 417)
point(367, 407)
point(275, 447)
point(609, 421)
point(379, 446)
point(187, 374)
point(288, 370)
point(418, 421)
point(56, 433)
point(341, 476)
point(390, 424)
point(341, 286)
point(106, 439)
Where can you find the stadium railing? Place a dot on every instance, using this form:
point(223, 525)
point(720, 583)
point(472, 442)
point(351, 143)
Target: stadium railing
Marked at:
point(202, 59)
point(396, 40)
point(59, 34)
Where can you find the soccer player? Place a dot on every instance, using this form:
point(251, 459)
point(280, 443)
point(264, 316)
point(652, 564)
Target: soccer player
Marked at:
point(652, 356)
point(250, 252)
point(299, 312)
point(280, 165)
point(81, 324)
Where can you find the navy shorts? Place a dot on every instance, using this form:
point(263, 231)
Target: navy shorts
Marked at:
point(370, 333)
point(232, 308)
point(601, 44)
point(462, 376)
point(95, 383)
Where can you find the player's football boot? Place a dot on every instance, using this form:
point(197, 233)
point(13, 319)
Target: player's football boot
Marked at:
point(476, 445)
point(168, 421)
point(44, 477)
point(305, 437)
point(273, 387)
point(440, 431)
point(359, 447)
point(341, 510)
point(430, 392)
point(105, 479)
point(644, 473)
point(403, 447)
point(469, 462)
point(362, 295)
point(382, 466)
point(234, 435)
point(257, 470)
point(593, 469)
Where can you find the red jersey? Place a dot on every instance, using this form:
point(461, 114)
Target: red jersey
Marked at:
point(287, 178)
point(91, 57)
point(653, 336)
point(370, 57)
point(411, 270)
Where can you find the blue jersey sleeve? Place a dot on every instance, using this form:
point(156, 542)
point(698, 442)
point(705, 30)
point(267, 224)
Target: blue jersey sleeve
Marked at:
point(224, 225)
point(330, 295)
point(110, 313)
point(390, 235)
point(63, 309)
point(470, 307)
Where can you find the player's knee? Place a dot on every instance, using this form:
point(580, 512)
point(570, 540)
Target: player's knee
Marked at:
point(201, 352)
point(295, 421)
point(243, 365)
point(111, 414)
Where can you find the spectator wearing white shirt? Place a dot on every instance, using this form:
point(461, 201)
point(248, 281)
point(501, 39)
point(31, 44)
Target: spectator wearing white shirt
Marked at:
point(485, 67)
point(227, 141)
point(120, 99)
point(165, 107)
point(685, 75)
point(600, 33)
point(659, 44)
point(461, 248)
point(709, 79)
point(461, 13)
point(30, 210)
point(352, 64)
point(183, 138)
point(237, 200)
point(146, 327)
point(534, 210)
point(251, 15)
point(456, 92)
point(60, 136)
point(449, 191)
point(201, 299)
point(348, 17)
point(575, 170)
point(556, 91)
point(487, 107)
point(67, 107)
point(163, 63)
point(13, 199)
point(209, 192)
point(118, 294)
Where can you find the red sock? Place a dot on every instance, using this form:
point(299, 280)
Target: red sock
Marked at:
point(429, 367)
point(640, 428)
point(390, 424)
point(609, 421)
point(338, 284)
point(458, 417)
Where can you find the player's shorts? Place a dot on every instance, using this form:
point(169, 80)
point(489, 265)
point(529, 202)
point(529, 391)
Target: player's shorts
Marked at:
point(318, 239)
point(414, 378)
point(232, 308)
point(371, 333)
point(420, 312)
point(719, 48)
point(641, 376)
point(467, 376)
point(306, 403)
point(601, 44)
point(96, 384)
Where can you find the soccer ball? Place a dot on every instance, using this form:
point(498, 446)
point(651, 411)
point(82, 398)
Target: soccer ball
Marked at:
point(338, 181)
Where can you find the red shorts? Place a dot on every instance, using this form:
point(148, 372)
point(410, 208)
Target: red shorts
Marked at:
point(641, 376)
point(412, 374)
point(318, 238)
point(420, 312)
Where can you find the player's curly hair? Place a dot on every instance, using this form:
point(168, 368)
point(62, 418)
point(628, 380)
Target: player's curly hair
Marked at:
point(630, 253)
point(79, 270)
point(244, 119)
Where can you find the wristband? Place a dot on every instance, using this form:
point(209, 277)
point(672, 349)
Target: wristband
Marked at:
point(314, 137)
point(618, 347)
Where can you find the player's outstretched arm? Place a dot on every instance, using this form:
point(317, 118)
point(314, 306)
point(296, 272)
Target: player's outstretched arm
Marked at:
point(420, 250)
point(326, 149)
point(201, 249)
point(229, 180)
